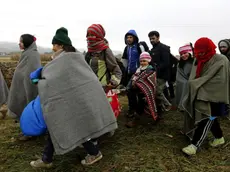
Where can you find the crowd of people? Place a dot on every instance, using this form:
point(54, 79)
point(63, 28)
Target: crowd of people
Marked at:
point(66, 98)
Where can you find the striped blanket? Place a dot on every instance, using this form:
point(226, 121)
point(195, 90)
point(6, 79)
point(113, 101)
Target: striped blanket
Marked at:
point(146, 82)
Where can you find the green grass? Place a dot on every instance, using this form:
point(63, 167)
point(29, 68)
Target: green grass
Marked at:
point(146, 148)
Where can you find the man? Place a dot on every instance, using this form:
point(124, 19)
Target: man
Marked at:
point(161, 59)
point(130, 60)
point(224, 47)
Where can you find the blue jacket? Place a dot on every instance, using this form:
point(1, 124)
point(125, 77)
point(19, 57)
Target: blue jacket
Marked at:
point(132, 53)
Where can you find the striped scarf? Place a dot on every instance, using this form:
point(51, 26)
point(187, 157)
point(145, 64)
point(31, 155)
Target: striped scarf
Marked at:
point(95, 38)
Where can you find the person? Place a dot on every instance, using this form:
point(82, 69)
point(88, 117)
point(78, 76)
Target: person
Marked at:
point(101, 59)
point(74, 105)
point(169, 89)
point(224, 47)
point(183, 72)
point(22, 91)
point(160, 54)
point(4, 91)
point(141, 89)
point(130, 59)
point(204, 102)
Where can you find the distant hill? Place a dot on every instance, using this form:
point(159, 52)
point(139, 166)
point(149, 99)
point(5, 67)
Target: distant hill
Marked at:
point(9, 47)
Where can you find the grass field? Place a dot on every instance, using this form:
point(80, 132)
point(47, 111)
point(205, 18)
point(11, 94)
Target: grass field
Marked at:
point(150, 147)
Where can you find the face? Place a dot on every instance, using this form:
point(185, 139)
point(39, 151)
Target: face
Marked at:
point(184, 56)
point(130, 39)
point(144, 63)
point(57, 47)
point(90, 35)
point(223, 49)
point(154, 40)
point(21, 45)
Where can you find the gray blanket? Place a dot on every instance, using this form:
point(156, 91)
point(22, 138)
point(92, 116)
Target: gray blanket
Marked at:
point(22, 91)
point(3, 90)
point(212, 86)
point(181, 82)
point(181, 91)
point(74, 105)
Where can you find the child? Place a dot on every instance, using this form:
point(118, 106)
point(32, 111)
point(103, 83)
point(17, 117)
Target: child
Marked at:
point(142, 85)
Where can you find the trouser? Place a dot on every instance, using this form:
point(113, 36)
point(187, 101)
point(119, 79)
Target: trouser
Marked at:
point(161, 99)
point(48, 153)
point(203, 128)
point(136, 102)
point(169, 91)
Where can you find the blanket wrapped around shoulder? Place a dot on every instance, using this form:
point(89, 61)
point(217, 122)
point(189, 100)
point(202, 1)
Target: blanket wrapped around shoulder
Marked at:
point(3, 90)
point(22, 90)
point(182, 78)
point(74, 104)
point(146, 82)
point(212, 86)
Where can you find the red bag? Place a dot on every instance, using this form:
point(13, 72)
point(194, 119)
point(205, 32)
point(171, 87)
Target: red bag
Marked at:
point(114, 102)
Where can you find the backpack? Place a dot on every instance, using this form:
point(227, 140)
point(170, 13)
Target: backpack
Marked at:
point(173, 67)
point(146, 47)
point(120, 64)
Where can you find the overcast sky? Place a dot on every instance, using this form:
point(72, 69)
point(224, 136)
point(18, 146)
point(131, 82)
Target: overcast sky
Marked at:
point(178, 21)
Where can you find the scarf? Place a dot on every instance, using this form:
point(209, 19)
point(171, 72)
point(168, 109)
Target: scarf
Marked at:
point(95, 38)
point(204, 50)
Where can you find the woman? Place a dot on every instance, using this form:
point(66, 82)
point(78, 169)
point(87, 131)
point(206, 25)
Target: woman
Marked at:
point(22, 91)
point(74, 105)
point(3, 90)
point(101, 59)
point(182, 77)
point(208, 94)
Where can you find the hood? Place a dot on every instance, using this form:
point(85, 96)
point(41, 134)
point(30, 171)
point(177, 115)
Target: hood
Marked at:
point(133, 33)
point(227, 41)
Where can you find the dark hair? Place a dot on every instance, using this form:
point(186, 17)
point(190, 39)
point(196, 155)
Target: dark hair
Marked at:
point(189, 60)
point(154, 33)
point(27, 40)
point(69, 48)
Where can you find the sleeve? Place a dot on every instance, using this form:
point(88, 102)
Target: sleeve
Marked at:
point(113, 68)
point(165, 58)
point(124, 58)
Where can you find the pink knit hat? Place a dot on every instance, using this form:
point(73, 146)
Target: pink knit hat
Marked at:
point(145, 56)
point(186, 49)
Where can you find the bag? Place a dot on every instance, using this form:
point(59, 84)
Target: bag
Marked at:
point(32, 122)
point(114, 102)
point(144, 44)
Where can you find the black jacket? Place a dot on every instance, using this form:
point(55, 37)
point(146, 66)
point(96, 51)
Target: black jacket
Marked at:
point(161, 55)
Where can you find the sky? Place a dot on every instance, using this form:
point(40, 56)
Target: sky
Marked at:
point(177, 21)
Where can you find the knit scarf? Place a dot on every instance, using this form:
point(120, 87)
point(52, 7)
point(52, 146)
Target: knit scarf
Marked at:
point(95, 38)
point(204, 50)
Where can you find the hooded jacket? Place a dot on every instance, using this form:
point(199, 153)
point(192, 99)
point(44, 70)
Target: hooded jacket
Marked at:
point(132, 53)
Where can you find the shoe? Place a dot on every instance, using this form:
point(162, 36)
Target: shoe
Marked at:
point(217, 142)
point(91, 159)
point(24, 138)
point(40, 164)
point(190, 150)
